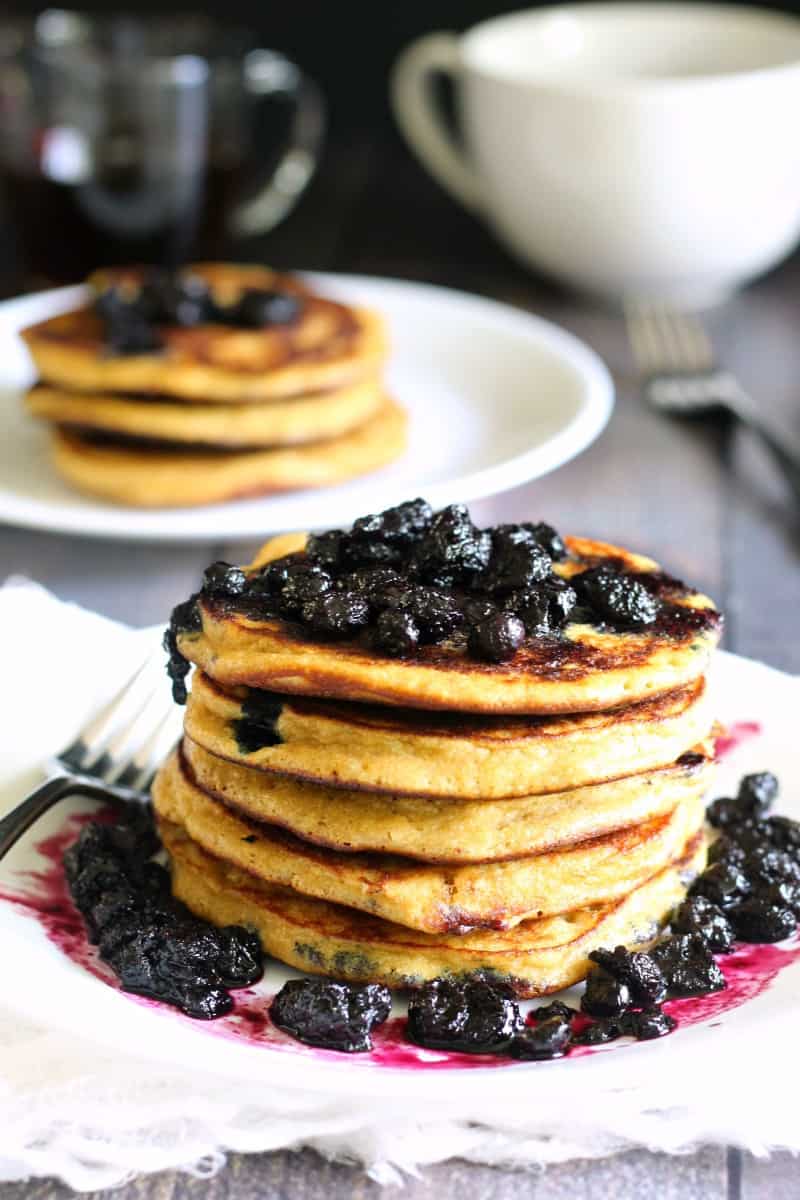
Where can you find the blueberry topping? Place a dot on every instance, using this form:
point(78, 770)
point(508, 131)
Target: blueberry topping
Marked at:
point(615, 597)
point(723, 884)
point(154, 945)
point(605, 996)
point(472, 1017)
point(336, 1016)
point(647, 1024)
point(221, 579)
point(453, 551)
point(336, 614)
point(599, 1032)
point(185, 619)
point(688, 966)
point(545, 1040)
point(705, 920)
point(261, 306)
point(637, 970)
point(498, 638)
point(759, 920)
point(397, 633)
point(555, 1009)
point(517, 561)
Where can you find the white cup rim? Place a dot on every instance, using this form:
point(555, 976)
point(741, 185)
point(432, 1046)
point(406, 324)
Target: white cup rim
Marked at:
point(471, 45)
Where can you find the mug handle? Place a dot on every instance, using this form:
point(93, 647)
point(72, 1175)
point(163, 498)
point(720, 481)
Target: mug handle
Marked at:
point(416, 113)
point(268, 74)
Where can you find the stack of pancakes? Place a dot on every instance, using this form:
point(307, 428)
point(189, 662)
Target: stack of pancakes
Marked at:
point(396, 820)
point(216, 408)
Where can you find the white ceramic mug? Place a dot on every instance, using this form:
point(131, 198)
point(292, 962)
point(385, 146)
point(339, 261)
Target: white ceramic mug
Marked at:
point(627, 149)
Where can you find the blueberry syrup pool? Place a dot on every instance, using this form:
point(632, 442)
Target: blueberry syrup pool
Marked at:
point(43, 895)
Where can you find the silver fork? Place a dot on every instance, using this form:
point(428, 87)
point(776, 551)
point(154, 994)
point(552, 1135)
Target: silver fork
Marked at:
point(114, 757)
point(682, 376)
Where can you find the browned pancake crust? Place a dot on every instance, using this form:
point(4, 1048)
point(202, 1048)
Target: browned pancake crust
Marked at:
point(329, 344)
point(534, 958)
point(408, 752)
point(152, 478)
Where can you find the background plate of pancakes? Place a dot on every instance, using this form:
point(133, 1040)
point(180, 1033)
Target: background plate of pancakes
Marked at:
point(495, 397)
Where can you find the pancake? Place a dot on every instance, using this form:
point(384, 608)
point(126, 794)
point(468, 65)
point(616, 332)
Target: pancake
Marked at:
point(416, 753)
point(292, 421)
point(430, 898)
point(151, 478)
point(448, 831)
point(534, 958)
point(584, 669)
point(329, 345)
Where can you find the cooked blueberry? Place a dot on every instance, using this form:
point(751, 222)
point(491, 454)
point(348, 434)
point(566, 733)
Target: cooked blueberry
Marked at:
point(688, 966)
point(532, 607)
point(517, 560)
point(436, 613)
point(722, 883)
point(550, 541)
point(599, 1032)
point(478, 608)
point(723, 812)
point(472, 1017)
point(381, 587)
point(181, 299)
point(336, 1016)
point(637, 970)
point(337, 614)
point(240, 960)
point(784, 894)
point(605, 996)
point(300, 584)
point(453, 550)
point(615, 597)
point(648, 1024)
point(756, 920)
point(724, 849)
point(263, 306)
point(221, 579)
point(783, 833)
point(325, 549)
point(397, 633)
point(252, 735)
point(131, 335)
point(398, 527)
point(201, 1002)
point(545, 1040)
point(699, 916)
point(185, 619)
point(757, 793)
point(498, 638)
point(765, 865)
point(556, 1008)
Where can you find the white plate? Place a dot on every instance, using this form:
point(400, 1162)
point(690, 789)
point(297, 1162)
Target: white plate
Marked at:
point(496, 397)
point(742, 691)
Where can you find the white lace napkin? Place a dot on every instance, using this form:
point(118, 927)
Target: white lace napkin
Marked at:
point(93, 1117)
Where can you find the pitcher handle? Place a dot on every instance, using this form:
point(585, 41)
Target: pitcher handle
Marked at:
point(268, 74)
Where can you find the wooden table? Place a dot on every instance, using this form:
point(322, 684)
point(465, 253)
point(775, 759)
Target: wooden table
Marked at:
point(701, 498)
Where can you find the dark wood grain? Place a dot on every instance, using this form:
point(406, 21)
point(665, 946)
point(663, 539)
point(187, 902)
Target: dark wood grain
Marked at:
point(702, 499)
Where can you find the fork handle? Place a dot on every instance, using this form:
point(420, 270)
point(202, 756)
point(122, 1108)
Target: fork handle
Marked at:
point(20, 819)
point(783, 447)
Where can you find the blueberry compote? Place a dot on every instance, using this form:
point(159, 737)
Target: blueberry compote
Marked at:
point(406, 581)
point(132, 314)
point(335, 1016)
point(153, 943)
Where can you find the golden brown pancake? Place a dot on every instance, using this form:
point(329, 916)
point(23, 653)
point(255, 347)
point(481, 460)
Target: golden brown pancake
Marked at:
point(292, 421)
point(150, 478)
point(329, 345)
point(586, 669)
point(432, 898)
point(449, 830)
point(432, 754)
point(536, 957)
